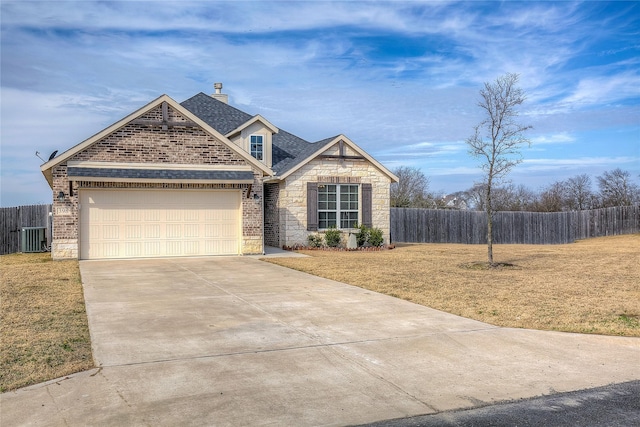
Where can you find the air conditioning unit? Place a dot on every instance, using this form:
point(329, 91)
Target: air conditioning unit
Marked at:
point(33, 239)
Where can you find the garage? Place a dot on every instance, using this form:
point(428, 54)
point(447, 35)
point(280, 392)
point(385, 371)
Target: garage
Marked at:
point(140, 223)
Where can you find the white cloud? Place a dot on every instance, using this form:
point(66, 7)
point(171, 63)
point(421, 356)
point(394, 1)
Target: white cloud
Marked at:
point(605, 89)
point(558, 138)
point(230, 17)
point(579, 162)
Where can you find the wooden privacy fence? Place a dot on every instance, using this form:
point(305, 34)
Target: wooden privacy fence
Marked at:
point(414, 225)
point(12, 220)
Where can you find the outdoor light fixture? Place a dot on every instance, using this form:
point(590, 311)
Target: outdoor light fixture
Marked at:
point(61, 196)
point(255, 196)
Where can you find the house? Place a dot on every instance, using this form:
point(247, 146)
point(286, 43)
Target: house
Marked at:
point(204, 178)
point(454, 201)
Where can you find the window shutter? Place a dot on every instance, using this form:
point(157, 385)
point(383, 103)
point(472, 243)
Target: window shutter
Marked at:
point(367, 205)
point(312, 206)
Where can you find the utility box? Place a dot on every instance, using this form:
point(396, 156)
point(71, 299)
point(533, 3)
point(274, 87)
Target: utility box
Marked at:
point(33, 239)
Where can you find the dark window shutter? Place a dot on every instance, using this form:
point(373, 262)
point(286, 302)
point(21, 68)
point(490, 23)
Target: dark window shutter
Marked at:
point(312, 206)
point(367, 205)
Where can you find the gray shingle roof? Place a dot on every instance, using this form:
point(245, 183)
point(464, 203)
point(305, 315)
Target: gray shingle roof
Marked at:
point(222, 117)
point(288, 149)
point(168, 174)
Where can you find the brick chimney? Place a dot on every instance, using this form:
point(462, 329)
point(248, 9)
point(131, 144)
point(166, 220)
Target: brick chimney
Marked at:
point(222, 97)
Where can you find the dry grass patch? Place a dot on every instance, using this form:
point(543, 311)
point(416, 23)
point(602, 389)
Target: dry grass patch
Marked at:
point(592, 286)
point(43, 322)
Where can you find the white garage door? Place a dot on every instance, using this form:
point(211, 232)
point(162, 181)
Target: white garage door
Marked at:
point(157, 223)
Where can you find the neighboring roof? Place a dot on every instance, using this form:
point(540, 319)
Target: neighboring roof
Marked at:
point(46, 167)
point(161, 174)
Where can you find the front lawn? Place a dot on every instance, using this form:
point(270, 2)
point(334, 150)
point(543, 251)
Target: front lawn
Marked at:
point(592, 286)
point(43, 322)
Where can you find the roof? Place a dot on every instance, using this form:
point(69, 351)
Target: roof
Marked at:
point(289, 150)
point(222, 117)
point(166, 175)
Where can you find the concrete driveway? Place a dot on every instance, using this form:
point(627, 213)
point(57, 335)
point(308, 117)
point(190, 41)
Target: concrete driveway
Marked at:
point(237, 341)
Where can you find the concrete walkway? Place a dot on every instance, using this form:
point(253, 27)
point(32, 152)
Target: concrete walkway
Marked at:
point(237, 341)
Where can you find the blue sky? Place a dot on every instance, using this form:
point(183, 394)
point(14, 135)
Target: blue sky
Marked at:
point(401, 79)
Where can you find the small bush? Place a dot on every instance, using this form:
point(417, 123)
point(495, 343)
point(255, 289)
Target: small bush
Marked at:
point(362, 236)
point(333, 237)
point(315, 240)
point(375, 237)
point(369, 236)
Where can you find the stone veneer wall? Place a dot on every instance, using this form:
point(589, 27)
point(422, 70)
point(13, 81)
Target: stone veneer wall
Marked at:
point(293, 197)
point(143, 144)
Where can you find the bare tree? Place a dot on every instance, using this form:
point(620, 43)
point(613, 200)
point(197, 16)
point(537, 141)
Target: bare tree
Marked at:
point(617, 189)
point(511, 198)
point(552, 198)
point(475, 197)
point(579, 195)
point(498, 138)
point(412, 189)
point(525, 198)
point(505, 198)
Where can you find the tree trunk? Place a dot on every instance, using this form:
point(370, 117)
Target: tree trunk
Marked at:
point(490, 238)
point(489, 223)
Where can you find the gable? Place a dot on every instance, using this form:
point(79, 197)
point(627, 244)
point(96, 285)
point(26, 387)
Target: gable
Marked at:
point(161, 129)
point(338, 148)
point(256, 122)
point(143, 141)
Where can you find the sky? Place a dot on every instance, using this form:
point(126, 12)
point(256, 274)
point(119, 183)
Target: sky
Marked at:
point(401, 79)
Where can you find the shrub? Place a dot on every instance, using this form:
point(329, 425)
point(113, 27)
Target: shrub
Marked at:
point(362, 236)
point(375, 237)
point(315, 240)
point(369, 236)
point(333, 237)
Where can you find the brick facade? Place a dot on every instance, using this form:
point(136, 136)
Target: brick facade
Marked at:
point(151, 144)
point(272, 214)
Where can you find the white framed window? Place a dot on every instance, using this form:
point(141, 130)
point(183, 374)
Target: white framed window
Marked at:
point(257, 146)
point(338, 206)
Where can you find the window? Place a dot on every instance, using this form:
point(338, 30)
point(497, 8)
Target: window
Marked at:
point(337, 206)
point(256, 146)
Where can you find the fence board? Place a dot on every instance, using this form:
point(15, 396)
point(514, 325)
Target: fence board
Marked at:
point(13, 219)
point(412, 225)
